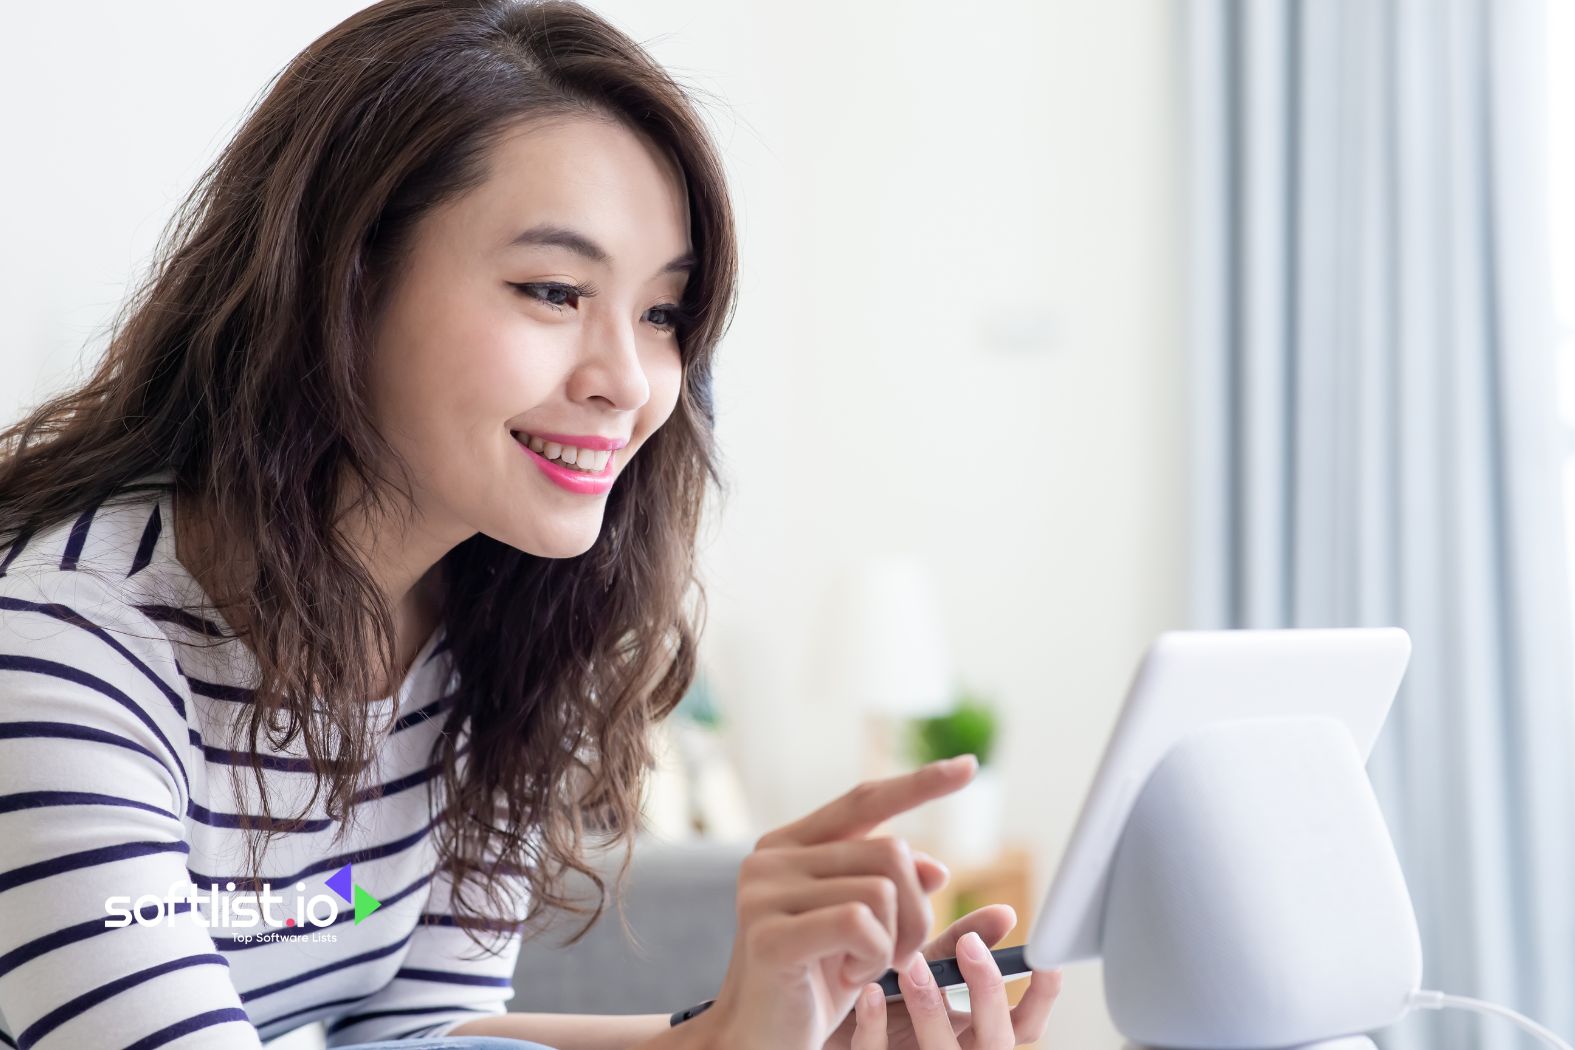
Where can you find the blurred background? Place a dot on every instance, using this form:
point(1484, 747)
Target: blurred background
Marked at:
point(1061, 324)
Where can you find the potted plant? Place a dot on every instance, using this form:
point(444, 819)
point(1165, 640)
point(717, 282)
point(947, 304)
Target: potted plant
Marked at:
point(965, 826)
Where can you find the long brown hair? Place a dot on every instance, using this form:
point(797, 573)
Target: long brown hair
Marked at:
point(239, 364)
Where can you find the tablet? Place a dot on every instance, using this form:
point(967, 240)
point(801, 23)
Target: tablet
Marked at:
point(1186, 681)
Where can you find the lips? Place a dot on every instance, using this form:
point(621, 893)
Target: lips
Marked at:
point(568, 478)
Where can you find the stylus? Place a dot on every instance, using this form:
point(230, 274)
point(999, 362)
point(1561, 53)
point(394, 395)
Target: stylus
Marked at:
point(946, 972)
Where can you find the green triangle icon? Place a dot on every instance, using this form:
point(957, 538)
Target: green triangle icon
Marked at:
point(365, 904)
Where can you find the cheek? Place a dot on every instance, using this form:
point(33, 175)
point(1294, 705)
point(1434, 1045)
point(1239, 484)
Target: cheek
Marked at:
point(484, 388)
point(487, 378)
point(446, 399)
point(666, 377)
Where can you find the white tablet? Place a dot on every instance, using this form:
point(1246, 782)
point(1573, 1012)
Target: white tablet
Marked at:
point(1185, 681)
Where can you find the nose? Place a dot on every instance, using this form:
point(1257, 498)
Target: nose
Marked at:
point(610, 367)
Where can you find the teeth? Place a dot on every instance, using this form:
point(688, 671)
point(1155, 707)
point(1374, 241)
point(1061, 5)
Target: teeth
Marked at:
point(588, 460)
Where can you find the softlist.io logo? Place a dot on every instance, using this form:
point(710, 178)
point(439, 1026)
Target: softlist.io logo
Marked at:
point(242, 911)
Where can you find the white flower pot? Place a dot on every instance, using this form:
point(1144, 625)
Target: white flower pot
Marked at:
point(966, 826)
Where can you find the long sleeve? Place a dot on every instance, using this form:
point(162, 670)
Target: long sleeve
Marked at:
point(440, 985)
point(94, 748)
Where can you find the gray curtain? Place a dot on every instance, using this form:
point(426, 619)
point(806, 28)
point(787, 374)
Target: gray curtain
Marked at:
point(1376, 440)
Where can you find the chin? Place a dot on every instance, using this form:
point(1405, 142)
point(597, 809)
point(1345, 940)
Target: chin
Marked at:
point(555, 543)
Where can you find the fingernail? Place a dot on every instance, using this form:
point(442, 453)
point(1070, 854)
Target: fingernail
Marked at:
point(972, 945)
point(871, 996)
point(919, 971)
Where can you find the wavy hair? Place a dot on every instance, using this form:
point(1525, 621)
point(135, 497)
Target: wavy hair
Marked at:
point(240, 363)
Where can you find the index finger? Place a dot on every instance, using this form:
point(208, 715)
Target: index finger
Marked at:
point(867, 805)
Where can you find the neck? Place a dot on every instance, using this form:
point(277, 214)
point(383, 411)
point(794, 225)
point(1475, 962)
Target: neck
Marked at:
point(417, 608)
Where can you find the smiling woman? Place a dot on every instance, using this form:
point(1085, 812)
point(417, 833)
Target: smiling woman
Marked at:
point(289, 589)
point(337, 607)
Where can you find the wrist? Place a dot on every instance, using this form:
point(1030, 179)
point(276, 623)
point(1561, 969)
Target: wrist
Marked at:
point(712, 1030)
point(708, 1030)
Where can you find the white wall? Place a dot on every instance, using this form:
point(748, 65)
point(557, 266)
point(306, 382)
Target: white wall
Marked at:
point(915, 184)
point(927, 175)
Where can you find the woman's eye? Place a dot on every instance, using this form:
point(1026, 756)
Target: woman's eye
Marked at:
point(541, 291)
point(672, 314)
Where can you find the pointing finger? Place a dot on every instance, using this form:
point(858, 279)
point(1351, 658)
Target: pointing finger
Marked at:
point(868, 804)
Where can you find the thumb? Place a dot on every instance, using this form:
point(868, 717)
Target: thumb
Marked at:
point(991, 922)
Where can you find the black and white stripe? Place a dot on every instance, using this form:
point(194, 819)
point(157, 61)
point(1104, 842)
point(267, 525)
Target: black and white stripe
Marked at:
point(113, 782)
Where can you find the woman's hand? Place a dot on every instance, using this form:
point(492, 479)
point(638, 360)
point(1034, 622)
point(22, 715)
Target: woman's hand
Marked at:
point(923, 1019)
point(822, 911)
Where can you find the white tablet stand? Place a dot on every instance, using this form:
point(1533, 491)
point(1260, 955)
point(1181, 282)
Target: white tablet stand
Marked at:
point(1255, 898)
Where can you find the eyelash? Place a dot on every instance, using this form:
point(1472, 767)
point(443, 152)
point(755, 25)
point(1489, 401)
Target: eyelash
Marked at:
point(681, 317)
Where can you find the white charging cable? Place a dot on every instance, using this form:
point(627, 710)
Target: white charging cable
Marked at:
point(1431, 1000)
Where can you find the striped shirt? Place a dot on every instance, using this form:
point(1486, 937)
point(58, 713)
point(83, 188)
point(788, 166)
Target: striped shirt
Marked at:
point(126, 918)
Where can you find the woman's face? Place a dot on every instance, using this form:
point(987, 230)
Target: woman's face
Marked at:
point(540, 303)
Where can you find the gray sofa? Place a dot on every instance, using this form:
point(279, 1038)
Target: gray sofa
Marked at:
point(679, 901)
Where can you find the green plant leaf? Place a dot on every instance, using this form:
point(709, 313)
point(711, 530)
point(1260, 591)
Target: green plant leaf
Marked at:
point(969, 728)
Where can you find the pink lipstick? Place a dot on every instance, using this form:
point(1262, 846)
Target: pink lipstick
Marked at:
point(564, 477)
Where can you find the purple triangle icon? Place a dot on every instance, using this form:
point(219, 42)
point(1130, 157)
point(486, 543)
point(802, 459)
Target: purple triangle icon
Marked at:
point(339, 882)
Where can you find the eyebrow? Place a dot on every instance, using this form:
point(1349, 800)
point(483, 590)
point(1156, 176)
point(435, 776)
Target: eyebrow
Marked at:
point(549, 235)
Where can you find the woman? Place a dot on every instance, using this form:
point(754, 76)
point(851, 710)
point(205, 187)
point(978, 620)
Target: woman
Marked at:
point(424, 370)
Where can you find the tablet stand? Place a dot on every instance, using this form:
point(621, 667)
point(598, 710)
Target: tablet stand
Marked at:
point(1255, 898)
